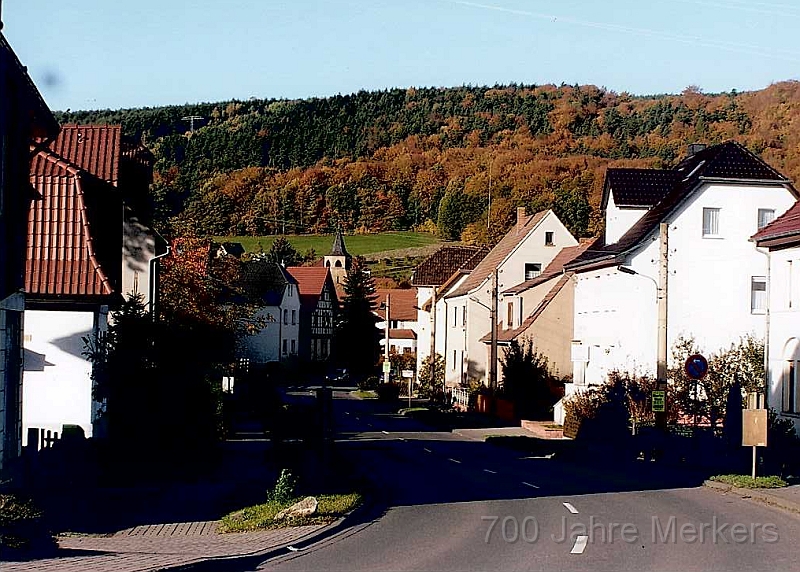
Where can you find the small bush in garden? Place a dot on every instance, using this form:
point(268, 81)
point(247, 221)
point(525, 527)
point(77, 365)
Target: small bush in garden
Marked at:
point(284, 488)
point(370, 383)
point(21, 526)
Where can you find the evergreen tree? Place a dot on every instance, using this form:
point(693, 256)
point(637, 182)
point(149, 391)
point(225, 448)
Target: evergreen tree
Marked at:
point(284, 253)
point(358, 348)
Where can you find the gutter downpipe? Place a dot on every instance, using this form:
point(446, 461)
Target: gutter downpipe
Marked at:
point(153, 276)
point(766, 253)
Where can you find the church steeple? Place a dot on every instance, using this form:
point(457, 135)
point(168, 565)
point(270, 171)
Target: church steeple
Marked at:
point(339, 259)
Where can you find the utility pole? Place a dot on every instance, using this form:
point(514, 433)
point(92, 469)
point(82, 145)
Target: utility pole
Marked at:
point(388, 323)
point(191, 119)
point(433, 340)
point(493, 320)
point(663, 273)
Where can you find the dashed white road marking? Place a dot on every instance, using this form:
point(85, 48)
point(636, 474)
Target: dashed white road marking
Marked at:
point(570, 508)
point(580, 544)
point(491, 472)
point(426, 450)
point(455, 461)
point(293, 549)
point(530, 485)
point(385, 432)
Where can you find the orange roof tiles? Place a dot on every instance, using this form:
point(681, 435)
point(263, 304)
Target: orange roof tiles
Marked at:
point(402, 304)
point(62, 258)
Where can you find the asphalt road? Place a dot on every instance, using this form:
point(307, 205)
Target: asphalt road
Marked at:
point(446, 502)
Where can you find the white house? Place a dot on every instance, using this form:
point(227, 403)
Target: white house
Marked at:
point(403, 323)
point(440, 273)
point(781, 240)
point(270, 287)
point(712, 203)
point(523, 253)
point(86, 250)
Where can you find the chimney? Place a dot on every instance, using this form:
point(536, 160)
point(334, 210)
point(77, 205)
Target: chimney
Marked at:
point(521, 217)
point(695, 148)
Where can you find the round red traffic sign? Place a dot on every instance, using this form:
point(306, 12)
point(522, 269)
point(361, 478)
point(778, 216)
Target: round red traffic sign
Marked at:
point(696, 366)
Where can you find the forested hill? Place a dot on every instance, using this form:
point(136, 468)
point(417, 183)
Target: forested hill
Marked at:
point(426, 158)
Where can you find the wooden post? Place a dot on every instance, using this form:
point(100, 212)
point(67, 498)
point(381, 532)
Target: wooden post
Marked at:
point(663, 273)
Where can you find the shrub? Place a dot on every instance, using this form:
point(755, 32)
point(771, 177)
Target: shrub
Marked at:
point(526, 379)
point(21, 526)
point(284, 488)
point(370, 383)
point(388, 391)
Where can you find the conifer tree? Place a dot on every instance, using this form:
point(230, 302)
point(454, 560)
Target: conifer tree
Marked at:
point(358, 338)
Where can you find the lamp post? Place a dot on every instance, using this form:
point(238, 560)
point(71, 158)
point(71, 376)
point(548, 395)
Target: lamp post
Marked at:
point(387, 324)
point(661, 299)
point(492, 381)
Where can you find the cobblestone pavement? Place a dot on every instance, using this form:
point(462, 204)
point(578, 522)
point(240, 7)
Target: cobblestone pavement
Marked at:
point(155, 547)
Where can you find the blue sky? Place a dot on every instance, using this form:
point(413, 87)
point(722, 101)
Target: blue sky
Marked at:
point(91, 54)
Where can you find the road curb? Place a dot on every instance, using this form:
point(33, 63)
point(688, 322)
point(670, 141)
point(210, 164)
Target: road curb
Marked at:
point(249, 560)
point(759, 495)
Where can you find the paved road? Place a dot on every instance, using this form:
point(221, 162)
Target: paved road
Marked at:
point(452, 503)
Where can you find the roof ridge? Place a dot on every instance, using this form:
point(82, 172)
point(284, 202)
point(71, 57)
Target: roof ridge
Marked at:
point(106, 283)
point(60, 161)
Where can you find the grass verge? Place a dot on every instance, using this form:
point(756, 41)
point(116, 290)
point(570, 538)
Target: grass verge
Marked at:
point(262, 516)
point(364, 394)
point(747, 482)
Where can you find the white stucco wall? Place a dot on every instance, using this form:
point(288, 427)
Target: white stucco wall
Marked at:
point(784, 330)
point(57, 388)
point(709, 284)
point(138, 248)
point(531, 249)
point(424, 322)
point(619, 220)
point(267, 345)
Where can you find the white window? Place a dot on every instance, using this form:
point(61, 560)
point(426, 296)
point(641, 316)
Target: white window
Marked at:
point(294, 346)
point(464, 315)
point(455, 315)
point(548, 238)
point(710, 222)
point(765, 216)
point(454, 359)
point(758, 294)
point(791, 283)
point(294, 317)
point(532, 270)
point(286, 317)
point(284, 347)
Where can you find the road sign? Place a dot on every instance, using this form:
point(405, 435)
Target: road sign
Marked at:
point(659, 401)
point(407, 373)
point(754, 427)
point(696, 366)
point(387, 367)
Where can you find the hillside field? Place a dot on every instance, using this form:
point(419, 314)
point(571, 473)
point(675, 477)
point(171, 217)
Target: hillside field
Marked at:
point(356, 244)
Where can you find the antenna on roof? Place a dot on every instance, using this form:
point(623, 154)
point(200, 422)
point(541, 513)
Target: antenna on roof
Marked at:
point(190, 118)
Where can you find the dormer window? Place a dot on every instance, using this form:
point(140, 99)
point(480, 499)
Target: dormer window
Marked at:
point(548, 239)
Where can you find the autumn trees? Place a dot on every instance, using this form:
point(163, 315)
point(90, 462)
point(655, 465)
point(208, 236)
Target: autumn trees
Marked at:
point(402, 158)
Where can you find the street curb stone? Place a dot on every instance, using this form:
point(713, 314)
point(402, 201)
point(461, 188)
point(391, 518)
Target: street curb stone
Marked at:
point(760, 495)
point(251, 559)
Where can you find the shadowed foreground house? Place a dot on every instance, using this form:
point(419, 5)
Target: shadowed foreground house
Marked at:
point(318, 306)
point(24, 120)
point(86, 250)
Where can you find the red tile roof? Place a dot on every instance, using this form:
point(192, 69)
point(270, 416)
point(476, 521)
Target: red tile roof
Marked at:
point(785, 226)
point(498, 254)
point(439, 266)
point(62, 256)
point(310, 283)
point(94, 148)
point(401, 304)
point(402, 335)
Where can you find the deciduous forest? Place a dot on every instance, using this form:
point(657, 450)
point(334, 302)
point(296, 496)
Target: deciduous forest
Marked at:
point(427, 158)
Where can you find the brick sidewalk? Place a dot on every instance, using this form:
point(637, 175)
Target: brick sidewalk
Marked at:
point(155, 547)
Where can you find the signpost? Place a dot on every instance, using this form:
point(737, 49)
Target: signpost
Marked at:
point(754, 431)
point(387, 367)
point(659, 401)
point(696, 367)
point(408, 374)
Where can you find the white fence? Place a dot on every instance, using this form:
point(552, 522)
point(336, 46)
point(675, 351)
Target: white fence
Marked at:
point(460, 398)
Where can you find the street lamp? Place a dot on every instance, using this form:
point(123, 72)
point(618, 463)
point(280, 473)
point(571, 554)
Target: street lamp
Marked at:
point(632, 272)
point(387, 323)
